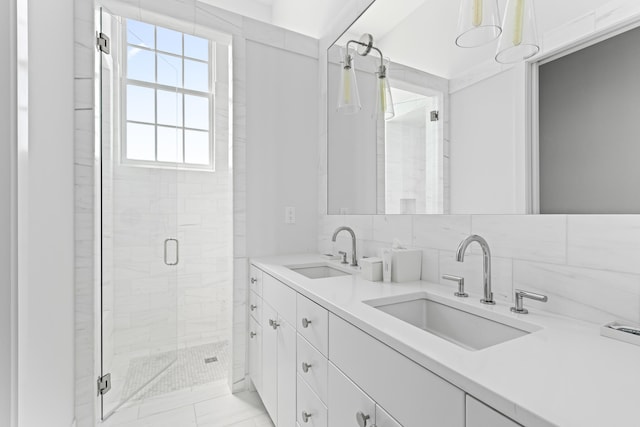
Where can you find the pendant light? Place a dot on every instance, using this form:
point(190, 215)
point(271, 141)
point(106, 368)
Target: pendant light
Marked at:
point(384, 101)
point(348, 96)
point(478, 23)
point(519, 39)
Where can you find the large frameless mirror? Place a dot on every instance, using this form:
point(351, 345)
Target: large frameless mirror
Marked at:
point(479, 123)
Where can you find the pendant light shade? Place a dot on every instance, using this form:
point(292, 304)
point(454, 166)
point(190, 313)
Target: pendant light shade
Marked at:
point(478, 23)
point(519, 40)
point(348, 96)
point(384, 101)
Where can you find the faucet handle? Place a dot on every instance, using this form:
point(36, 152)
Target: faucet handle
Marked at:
point(344, 257)
point(519, 297)
point(460, 280)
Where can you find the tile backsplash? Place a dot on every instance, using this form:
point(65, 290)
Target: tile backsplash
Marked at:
point(589, 266)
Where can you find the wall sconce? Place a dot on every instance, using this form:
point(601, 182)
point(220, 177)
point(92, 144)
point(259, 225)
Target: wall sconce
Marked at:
point(349, 97)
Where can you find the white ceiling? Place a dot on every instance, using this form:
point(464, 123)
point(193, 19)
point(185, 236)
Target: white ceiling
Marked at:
point(309, 17)
point(421, 33)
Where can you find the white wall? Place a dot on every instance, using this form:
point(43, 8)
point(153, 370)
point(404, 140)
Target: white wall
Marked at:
point(282, 158)
point(46, 296)
point(7, 135)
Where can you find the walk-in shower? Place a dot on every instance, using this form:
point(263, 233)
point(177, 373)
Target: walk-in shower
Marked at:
point(165, 186)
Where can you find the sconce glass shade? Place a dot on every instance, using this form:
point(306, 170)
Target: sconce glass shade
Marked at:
point(478, 23)
point(519, 40)
point(348, 95)
point(384, 101)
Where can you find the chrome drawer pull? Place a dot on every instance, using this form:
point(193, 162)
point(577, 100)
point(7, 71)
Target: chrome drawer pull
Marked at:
point(305, 367)
point(252, 334)
point(253, 307)
point(273, 323)
point(305, 322)
point(305, 416)
point(253, 280)
point(362, 419)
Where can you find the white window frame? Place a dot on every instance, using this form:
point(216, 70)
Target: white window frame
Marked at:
point(211, 96)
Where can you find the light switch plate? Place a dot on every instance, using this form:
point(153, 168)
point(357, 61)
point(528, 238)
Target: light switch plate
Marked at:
point(289, 215)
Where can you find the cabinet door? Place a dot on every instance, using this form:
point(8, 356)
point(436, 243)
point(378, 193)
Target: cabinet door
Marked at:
point(286, 374)
point(347, 402)
point(480, 415)
point(385, 420)
point(255, 354)
point(269, 392)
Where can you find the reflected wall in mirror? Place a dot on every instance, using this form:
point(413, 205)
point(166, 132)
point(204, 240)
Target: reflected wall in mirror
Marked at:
point(464, 139)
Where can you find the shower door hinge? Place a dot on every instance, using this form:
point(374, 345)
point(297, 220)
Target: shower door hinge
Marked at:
point(104, 384)
point(103, 43)
point(435, 116)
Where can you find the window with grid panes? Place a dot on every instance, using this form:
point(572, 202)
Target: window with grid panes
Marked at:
point(168, 97)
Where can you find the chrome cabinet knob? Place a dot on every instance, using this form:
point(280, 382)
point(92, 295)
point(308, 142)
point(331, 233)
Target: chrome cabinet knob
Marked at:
point(274, 323)
point(253, 307)
point(305, 367)
point(253, 280)
point(305, 416)
point(305, 322)
point(362, 419)
point(252, 334)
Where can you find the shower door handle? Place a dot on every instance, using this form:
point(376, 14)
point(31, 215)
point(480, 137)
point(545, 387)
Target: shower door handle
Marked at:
point(166, 245)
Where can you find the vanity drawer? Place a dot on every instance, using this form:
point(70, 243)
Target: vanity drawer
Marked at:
point(310, 404)
point(313, 324)
point(255, 306)
point(255, 279)
point(385, 420)
point(279, 296)
point(346, 401)
point(383, 373)
point(480, 415)
point(316, 368)
point(255, 354)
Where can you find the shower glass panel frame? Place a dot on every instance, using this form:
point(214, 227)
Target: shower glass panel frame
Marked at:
point(139, 248)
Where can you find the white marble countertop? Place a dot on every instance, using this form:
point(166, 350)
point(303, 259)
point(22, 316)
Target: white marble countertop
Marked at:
point(564, 374)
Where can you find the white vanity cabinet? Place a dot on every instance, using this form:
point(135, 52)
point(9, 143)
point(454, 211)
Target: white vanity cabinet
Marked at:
point(480, 415)
point(278, 351)
point(314, 369)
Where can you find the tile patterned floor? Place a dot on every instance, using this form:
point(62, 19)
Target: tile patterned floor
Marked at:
point(189, 369)
point(208, 405)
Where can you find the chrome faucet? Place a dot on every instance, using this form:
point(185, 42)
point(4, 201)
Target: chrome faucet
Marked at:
point(354, 258)
point(486, 255)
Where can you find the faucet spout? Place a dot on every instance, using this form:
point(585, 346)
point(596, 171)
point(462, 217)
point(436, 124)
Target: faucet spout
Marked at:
point(354, 258)
point(486, 258)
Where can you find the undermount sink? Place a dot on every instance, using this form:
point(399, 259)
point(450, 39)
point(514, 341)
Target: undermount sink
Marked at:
point(468, 330)
point(319, 271)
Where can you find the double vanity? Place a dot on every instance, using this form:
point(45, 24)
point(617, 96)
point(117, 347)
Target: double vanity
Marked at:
point(330, 349)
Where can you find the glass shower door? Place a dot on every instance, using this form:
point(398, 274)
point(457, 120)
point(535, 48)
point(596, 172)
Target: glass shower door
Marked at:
point(139, 214)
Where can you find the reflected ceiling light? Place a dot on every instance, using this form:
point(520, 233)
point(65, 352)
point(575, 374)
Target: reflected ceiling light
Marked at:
point(348, 95)
point(519, 40)
point(478, 23)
